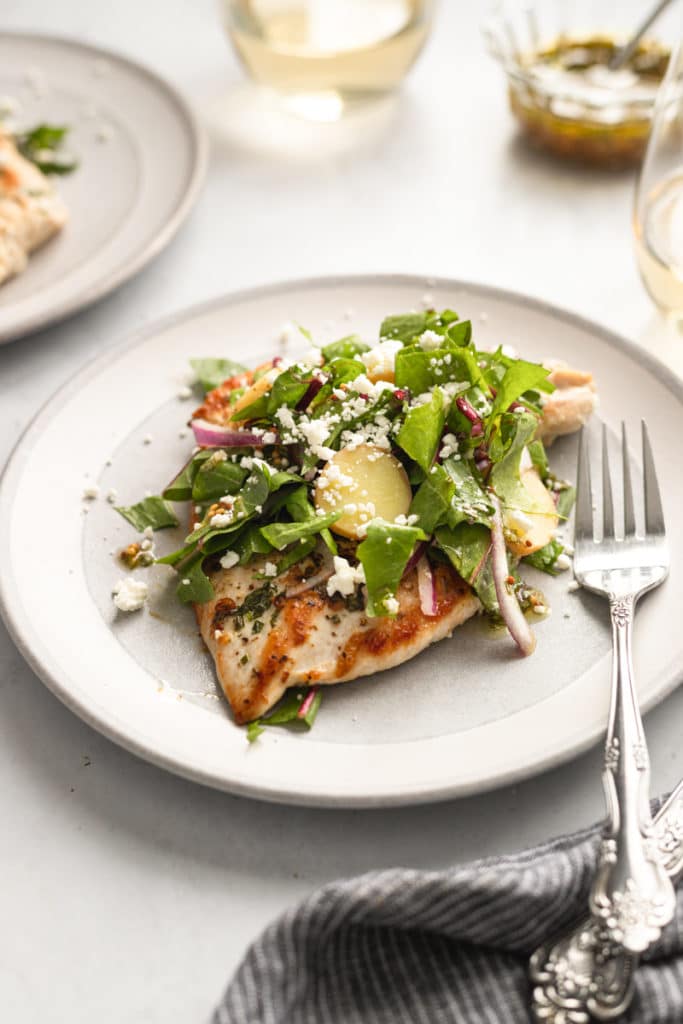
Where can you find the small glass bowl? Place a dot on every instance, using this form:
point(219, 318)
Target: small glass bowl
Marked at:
point(560, 90)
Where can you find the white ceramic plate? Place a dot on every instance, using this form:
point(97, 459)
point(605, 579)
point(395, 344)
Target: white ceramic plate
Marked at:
point(141, 158)
point(465, 715)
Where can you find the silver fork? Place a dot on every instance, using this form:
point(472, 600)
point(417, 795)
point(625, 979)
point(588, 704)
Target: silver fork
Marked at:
point(632, 894)
point(580, 974)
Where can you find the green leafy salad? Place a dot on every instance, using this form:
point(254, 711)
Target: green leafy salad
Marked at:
point(412, 452)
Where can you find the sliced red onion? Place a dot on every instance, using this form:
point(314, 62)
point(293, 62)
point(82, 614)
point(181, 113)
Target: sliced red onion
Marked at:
point(426, 586)
point(307, 702)
point(475, 575)
point(414, 558)
point(401, 394)
point(323, 574)
point(211, 435)
point(313, 389)
point(512, 614)
point(468, 410)
point(477, 429)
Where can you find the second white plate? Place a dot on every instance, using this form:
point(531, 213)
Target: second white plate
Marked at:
point(142, 157)
point(466, 715)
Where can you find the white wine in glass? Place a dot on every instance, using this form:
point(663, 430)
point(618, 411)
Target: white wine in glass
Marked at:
point(658, 213)
point(325, 54)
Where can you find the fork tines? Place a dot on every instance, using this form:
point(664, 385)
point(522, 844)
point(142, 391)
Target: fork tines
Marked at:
point(586, 501)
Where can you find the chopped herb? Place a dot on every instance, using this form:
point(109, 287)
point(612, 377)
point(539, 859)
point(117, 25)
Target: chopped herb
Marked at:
point(41, 146)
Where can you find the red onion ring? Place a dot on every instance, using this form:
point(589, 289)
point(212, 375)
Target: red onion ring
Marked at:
point(414, 558)
point(211, 435)
point(468, 410)
point(512, 614)
point(426, 586)
point(307, 701)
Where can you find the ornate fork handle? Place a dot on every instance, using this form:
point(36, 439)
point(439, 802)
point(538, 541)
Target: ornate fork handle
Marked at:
point(632, 895)
point(583, 973)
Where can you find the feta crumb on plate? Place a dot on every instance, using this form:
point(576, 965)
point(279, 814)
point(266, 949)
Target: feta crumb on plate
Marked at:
point(130, 594)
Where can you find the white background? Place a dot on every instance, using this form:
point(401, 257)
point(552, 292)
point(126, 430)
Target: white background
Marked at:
point(130, 895)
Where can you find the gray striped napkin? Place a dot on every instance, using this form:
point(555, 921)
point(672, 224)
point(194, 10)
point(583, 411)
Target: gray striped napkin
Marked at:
point(435, 947)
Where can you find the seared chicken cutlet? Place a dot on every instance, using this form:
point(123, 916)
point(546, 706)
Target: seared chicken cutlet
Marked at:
point(306, 636)
point(570, 406)
point(31, 212)
point(294, 633)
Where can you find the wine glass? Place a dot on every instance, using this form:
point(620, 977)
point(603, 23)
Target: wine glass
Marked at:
point(658, 210)
point(320, 56)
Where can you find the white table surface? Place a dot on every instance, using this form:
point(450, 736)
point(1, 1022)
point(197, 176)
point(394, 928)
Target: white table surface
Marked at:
point(128, 894)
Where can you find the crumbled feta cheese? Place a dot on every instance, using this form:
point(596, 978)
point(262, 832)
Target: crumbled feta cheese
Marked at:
point(147, 439)
point(362, 384)
point(562, 562)
point(229, 559)
point(313, 357)
point(90, 493)
point(184, 393)
point(112, 495)
point(483, 317)
point(129, 594)
point(573, 586)
point(286, 417)
point(518, 521)
point(509, 351)
point(345, 577)
point(450, 446)
point(270, 569)
point(430, 340)
point(182, 434)
point(427, 300)
point(391, 605)
point(221, 519)
point(315, 432)
point(379, 361)
point(269, 437)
